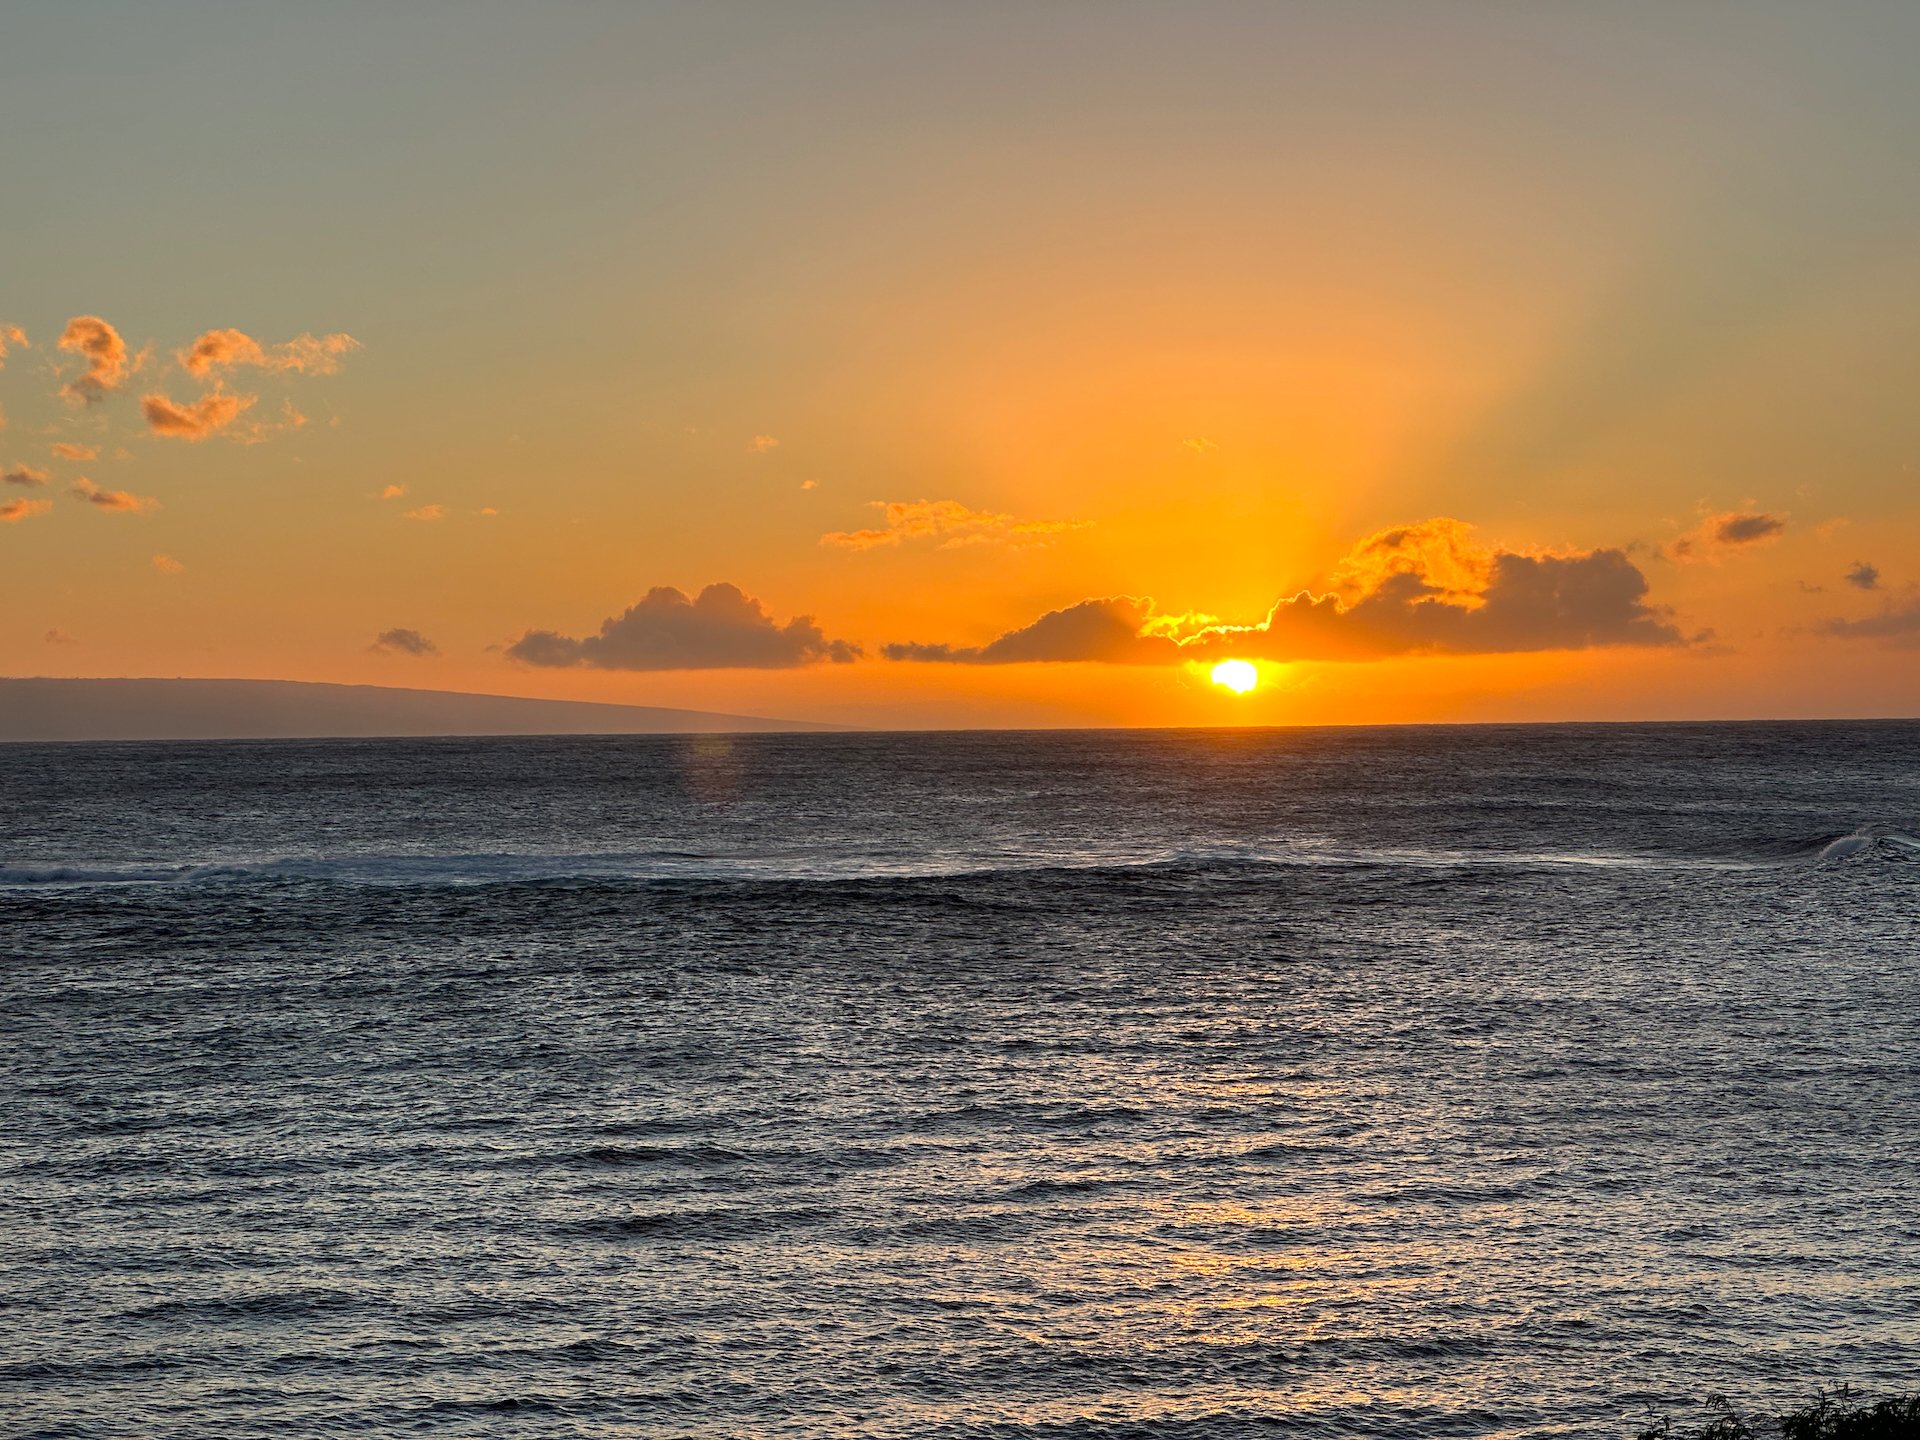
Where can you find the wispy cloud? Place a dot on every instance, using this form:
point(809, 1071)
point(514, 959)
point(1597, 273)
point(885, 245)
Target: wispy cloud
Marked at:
point(760, 444)
point(167, 565)
point(1897, 624)
point(66, 450)
point(952, 524)
point(304, 354)
point(393, 492)
point(24, 475)
point(400, 641)
point(12, 337)
point(427, 512)
point(120, 500)
point(12, 512)
point(59, 637)
point(1732, 531)
point(196, 420)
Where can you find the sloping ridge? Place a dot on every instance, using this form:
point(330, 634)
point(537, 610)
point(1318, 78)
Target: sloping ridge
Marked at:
point(44, 709)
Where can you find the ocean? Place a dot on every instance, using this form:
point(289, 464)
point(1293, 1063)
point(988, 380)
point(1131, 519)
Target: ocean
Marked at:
point(1484, 1081)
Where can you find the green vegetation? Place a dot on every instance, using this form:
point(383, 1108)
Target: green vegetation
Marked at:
point(1834, 1416)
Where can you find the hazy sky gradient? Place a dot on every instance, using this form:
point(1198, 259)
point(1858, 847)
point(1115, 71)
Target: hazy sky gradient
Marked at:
point(1181, 302)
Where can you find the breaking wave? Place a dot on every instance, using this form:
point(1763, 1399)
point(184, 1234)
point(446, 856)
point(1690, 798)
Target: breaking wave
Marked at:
point(822, 866)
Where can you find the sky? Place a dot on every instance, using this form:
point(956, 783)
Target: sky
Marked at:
point(988, 364)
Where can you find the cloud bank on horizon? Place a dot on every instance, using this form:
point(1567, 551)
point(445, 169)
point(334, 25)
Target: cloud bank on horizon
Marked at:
point(1417, 589)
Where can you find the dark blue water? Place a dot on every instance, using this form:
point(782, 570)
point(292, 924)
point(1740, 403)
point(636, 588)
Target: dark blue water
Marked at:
point(1325, 1083)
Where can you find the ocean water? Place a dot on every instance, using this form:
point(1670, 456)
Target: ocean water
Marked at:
point(1429, 1082)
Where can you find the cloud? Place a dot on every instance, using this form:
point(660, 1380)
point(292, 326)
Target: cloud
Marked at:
point(11, 337)
point(1419, 592)
point(106, 356)
point(1863, 576)
point(24, 475)
point(1734, 530)
point(304, 354)
point(66, 451)
point(393, 492)
point(952, 523)
point(122, 500)
point(809, 484)
point(194, 422)
point(722, 628)
point(403, 642)
point(1200, 444)
point(488, 510)
point(59, 637)
point(1111, 630)
point(167, 565)
point(427, 512)
point(760, 444)
point(1897, 624)
point(12, 512)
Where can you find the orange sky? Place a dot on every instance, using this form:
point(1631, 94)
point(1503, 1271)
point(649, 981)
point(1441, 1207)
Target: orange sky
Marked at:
point(1186, 312)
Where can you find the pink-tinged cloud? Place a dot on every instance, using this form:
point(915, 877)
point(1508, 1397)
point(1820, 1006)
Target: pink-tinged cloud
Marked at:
point(304, 354)
point(1420, 596)
point(11, 337)
point(427, 512)
point(197, 420)
point(24, 475)
point(12, 512)
point(118, 500)
point(720, 629)
point(100, 345)
point(952, 524)
point(65, 450)
point(167, 565)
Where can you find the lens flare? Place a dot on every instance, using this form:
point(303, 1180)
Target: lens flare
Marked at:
point(1238, 676)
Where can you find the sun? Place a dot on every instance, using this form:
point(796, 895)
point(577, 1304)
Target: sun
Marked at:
point(1238, 676)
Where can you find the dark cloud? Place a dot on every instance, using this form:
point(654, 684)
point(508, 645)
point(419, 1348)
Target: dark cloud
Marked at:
point(106, 355)
point(1732, 531)
point(1106, 629)
point(24, 475)
point(1745, 529)
point(1863, 576)
point(722, 628)
point(1898, 624)
point(403, 642)
point(1419, 591)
